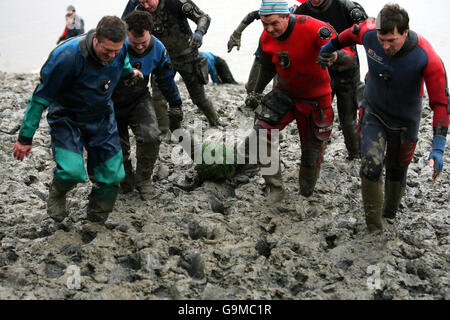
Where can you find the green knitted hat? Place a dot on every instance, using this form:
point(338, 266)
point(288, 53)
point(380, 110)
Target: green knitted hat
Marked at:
point(216, 171)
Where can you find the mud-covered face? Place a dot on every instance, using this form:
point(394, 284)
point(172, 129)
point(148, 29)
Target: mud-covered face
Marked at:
point(275, 25)
point(139, 43)
point(106, 50)
point(392, 42)
point(149, 5)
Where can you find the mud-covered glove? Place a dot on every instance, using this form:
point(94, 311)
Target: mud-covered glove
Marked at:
point(235, 41)
point(324, 54)
point(197, 39)
point(253, 99)
point(436, 155)
point(175, 118)
point(326, 59)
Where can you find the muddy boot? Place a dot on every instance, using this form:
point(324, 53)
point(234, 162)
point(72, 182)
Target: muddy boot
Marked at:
point(208, 110)
point(127, 185)
point(351, 142)
point(146, 156)
point(101, 202)
point(307, 179)
point(274, 182)
point(372, 195)
point(393, 193)
point(274, 188)
point(56, 203)
point(162, 115)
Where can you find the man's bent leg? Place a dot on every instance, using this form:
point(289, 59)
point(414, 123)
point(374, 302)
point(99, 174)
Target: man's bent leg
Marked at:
point(69, 170)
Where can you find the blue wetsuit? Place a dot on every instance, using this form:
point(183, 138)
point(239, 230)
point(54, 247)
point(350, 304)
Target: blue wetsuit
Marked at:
point(393, 99)
point(76, 87)
point(211, 65)
point(134, 109)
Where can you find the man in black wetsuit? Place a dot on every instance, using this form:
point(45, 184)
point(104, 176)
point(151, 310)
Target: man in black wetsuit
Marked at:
point(345, 78)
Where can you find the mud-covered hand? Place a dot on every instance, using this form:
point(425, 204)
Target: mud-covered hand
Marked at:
point(326, 59)
point(235, 41)
point(137, 74)
point(196, 40)
point(436, 156)
point(133, 80)
point(324, 54)
point(253, 99)
point(175, 118)
point(20, 151)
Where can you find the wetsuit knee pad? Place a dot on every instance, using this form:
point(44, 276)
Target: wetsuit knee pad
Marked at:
point(70, 168)
point(110, 172)
point(406, 152)
point(371, 169)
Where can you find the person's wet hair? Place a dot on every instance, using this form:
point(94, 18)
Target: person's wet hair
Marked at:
point(138, 21)
point(391, 16)
point(111, 28)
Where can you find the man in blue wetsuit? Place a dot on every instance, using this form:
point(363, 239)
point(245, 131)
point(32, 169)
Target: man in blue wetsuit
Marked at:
point(218, 69)
point(76, 85)
point(133, 102)
point(171, 27)
point(400, 61)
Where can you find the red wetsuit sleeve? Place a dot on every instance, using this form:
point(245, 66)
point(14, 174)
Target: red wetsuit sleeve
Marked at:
point(64, 32)
point(318, 25)
point(354, 35)
point(435, 80)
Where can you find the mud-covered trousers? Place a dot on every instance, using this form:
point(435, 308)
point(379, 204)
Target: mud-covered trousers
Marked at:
point(100, 138)
point(310, 121)
point(141, 118)
point(383, 146)
point(345, 86)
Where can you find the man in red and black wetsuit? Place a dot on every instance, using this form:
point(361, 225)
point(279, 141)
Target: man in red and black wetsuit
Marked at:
point(289, 46)
point(399, 62)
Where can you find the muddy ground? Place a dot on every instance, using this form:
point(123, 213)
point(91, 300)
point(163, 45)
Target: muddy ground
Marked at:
point(221, 240)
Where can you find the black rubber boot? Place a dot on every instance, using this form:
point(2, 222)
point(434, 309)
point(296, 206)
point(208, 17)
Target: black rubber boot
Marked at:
point(372, 195)
point(307, 179)
point(127, 185)
point(351, 143)
point(393, 191)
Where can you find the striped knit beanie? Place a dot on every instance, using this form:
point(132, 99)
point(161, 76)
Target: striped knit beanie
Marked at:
point(269, 7)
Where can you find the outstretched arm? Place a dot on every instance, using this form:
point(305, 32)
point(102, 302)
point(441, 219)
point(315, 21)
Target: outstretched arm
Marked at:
point(235, 38)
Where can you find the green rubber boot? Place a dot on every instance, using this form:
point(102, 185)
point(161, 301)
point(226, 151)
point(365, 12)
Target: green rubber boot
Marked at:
point(372, 195)
point(146, 156)
point(56, 203)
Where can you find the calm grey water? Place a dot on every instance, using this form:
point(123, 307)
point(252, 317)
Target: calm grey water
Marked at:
point(29, 28)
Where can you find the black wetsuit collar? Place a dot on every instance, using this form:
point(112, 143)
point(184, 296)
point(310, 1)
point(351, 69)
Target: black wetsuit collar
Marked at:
point(141, 55)
point(410, 43)
point(321, 8)
point(87, 47)
point(290, 28)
